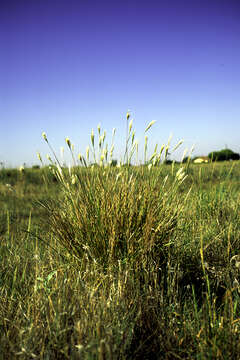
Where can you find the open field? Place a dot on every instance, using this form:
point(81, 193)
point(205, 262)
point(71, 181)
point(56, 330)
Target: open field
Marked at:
point(121, 263)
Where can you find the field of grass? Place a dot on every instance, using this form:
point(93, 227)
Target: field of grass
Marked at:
point(123, 264)
point(129, 262)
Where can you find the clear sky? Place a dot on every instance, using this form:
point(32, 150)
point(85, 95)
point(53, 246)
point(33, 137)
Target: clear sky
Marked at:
point(68, 65)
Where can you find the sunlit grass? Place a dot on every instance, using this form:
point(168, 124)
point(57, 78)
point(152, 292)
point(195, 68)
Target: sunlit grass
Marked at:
point(120, 262)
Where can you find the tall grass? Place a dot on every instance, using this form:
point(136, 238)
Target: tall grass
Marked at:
point(127, 262)
point(110, 214)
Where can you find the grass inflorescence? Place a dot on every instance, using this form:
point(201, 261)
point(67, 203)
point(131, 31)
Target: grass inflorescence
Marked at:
point(120, 262)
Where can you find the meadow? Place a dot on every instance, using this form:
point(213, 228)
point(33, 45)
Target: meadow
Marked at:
point(129, 262)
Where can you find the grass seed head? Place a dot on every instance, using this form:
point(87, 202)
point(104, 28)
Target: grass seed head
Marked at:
point(104, 135)
point(87, 152)
point(145, 144)
point(180, 174)
point(111, 151)
point(150, 125)
point(169, 139)
point(133, 136)
point(68, 142)
point(184, 154)
point(92, 137)
point(161, 150)
point(39, 156)
point(44, 136)
point(178, 144)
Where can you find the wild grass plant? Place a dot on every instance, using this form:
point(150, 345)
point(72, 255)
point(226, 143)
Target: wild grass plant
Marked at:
point(126, 262)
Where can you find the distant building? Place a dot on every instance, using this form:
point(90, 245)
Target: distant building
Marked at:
point(201, 159)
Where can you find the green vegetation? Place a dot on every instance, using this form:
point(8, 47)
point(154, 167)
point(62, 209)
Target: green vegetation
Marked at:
point(109, 262)
point(223, 155)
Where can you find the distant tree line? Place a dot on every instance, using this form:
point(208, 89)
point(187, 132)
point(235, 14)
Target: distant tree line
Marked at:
point(223, 155)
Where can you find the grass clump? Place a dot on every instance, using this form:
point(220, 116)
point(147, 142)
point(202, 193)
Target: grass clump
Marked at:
point(112, 215)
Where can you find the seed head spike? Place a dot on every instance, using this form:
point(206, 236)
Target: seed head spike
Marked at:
point(44, 136)
point(150, 125)
point(68, 142)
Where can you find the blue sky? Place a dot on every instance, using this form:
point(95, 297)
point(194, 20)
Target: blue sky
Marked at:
point(66, 66)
